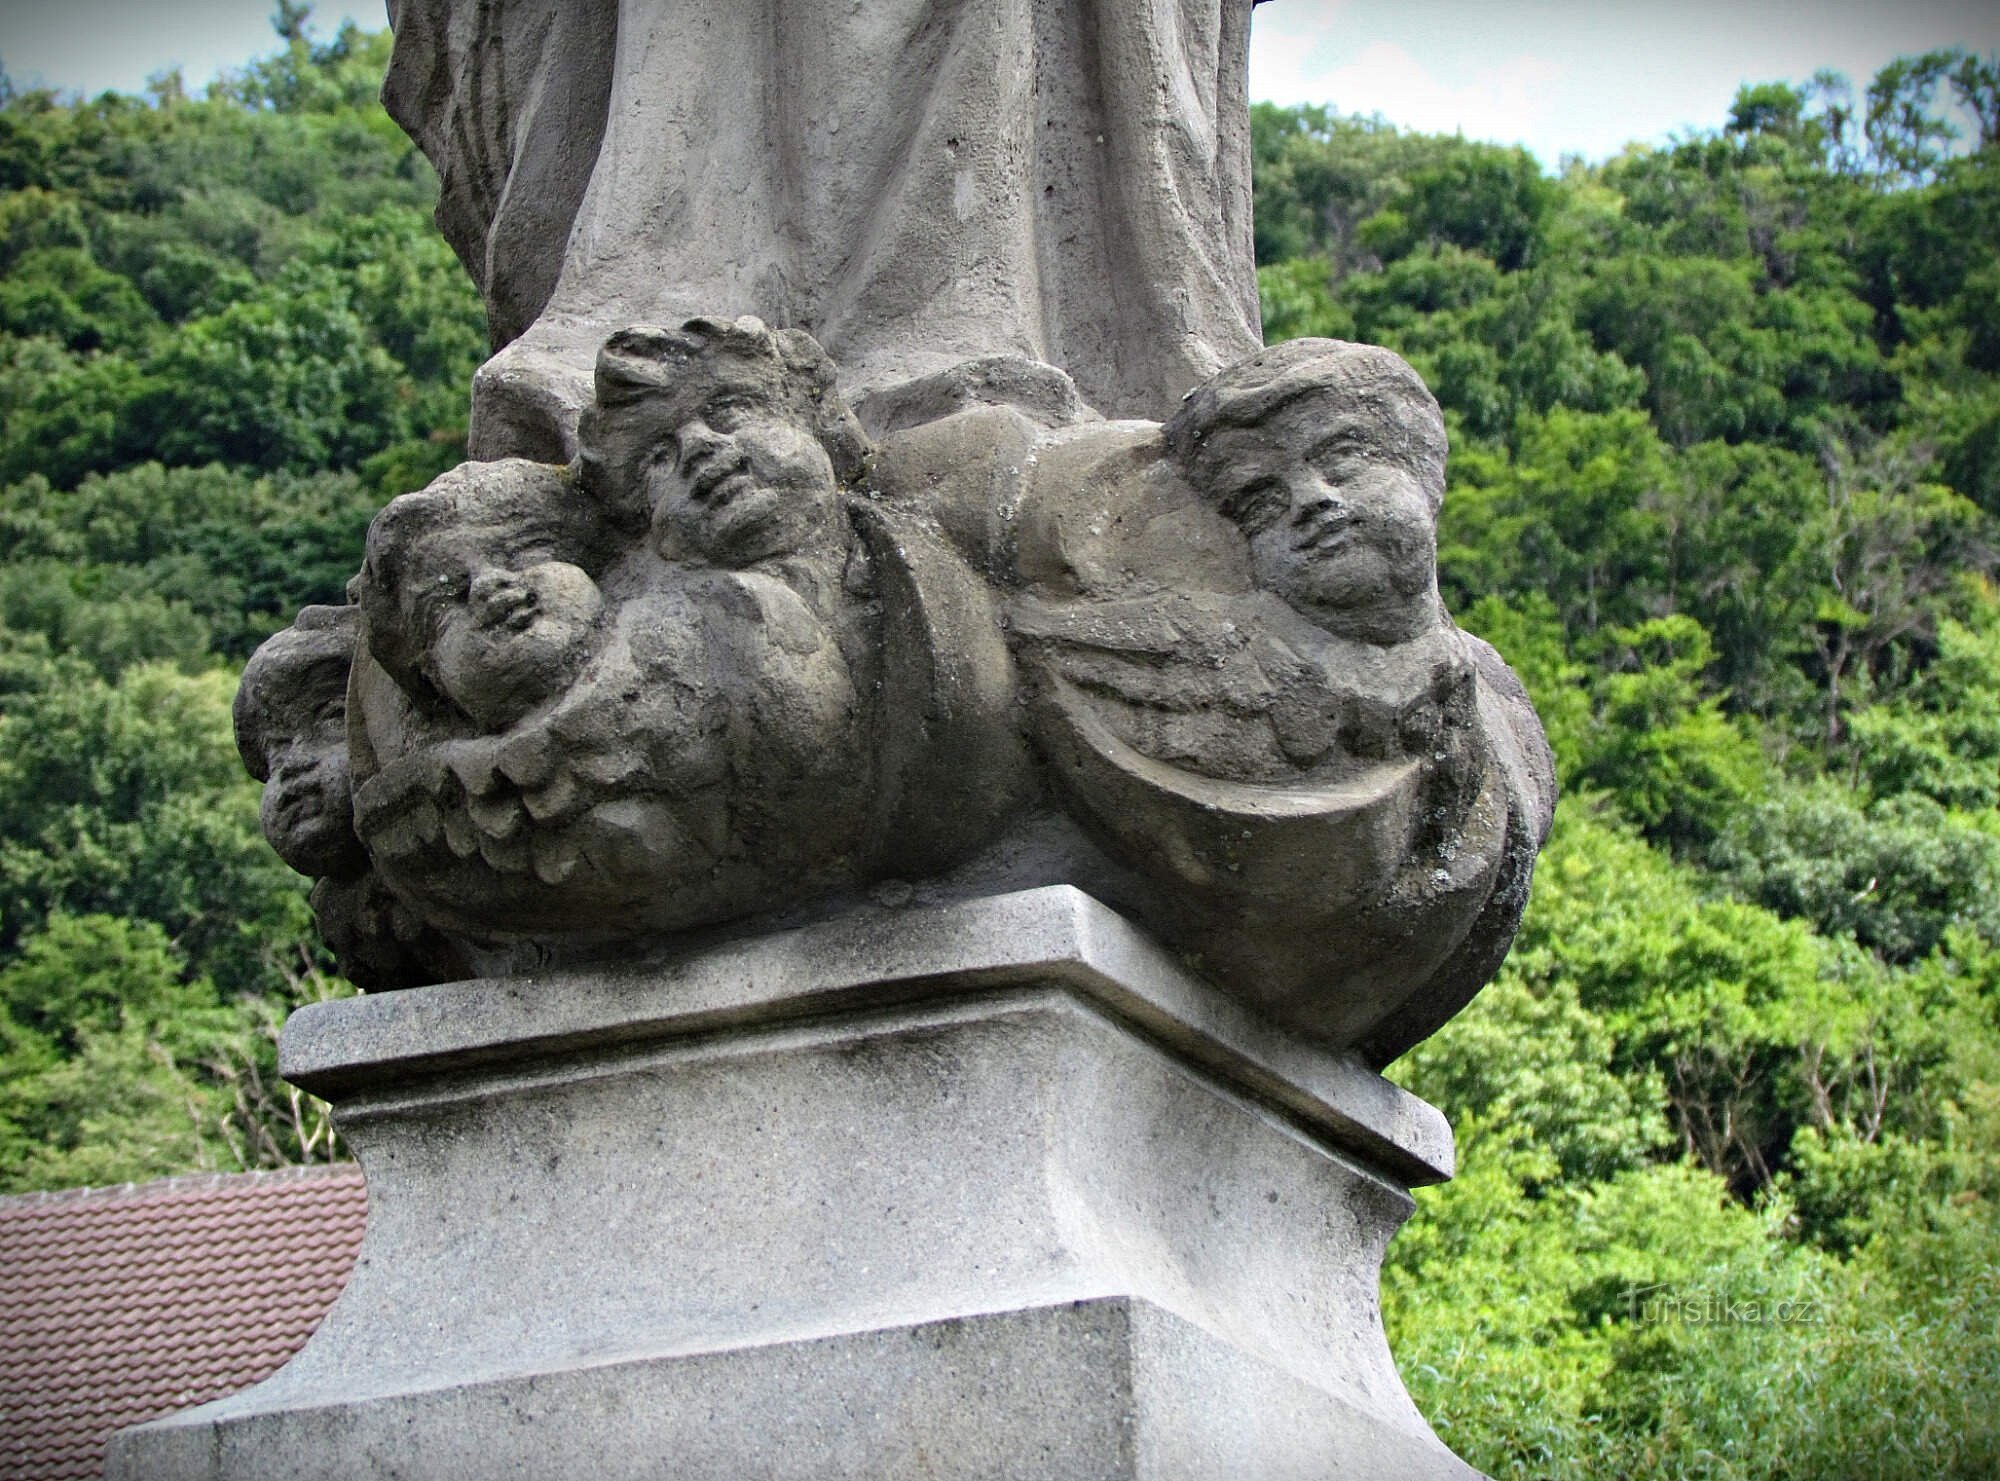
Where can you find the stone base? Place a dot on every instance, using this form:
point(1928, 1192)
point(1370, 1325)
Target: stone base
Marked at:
point(995, 1189)
point(1108, 1389)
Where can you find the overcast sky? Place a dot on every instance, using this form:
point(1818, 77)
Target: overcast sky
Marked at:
point(1561, 76)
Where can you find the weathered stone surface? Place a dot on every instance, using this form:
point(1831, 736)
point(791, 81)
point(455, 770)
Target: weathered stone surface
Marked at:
point(714, 658)
point(738, 664)
point(981, 1190)
point(757, 730)
point(915, 182)
point(1244, 687)
point(291, 728)
point(1098, 1390)
point(878, 957)
point(691, 679)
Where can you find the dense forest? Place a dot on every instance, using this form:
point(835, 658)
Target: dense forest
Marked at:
point(228, 332)
point(1725, 489)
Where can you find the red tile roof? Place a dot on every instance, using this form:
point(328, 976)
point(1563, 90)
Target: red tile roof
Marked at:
point(118, 1305)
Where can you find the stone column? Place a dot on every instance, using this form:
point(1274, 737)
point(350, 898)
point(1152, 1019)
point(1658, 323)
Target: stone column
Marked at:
point(988, 1189)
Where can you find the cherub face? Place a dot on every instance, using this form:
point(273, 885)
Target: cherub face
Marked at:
point(291, 727)
point(742, 482)
point(507, 623)
point(1338, 525)
point(731, 475)
point(308, 809)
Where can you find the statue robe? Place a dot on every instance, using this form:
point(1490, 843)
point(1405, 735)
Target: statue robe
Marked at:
point(916, 182)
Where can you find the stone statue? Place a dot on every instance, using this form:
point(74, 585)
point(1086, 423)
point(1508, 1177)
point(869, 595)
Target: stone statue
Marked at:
point(915, 182)
point(291, 727)
point(677, 683)
point(738, 664)
point(1246, 691)
point(915, 783)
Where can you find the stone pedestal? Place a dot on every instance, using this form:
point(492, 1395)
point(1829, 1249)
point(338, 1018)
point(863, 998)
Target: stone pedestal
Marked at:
point(994, 1189)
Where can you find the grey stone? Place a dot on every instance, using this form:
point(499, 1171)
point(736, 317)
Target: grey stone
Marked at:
point(1113, 1388)
point(508, 100)
point(916, 183)
point(692, 678)
point(870, 959)
point(930, 869)
point(1040, 392)
point(739, 664)
point(1247, 690)
point(291, 728)
point(989, 1189)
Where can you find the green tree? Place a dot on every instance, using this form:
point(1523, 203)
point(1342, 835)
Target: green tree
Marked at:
point(116, 1065)
point(1481, 197)
point(1661, 744)
point(127, 799)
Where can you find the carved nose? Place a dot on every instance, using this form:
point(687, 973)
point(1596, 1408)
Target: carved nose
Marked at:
point(1317, 506)
point(497, 587)
point(697, 441)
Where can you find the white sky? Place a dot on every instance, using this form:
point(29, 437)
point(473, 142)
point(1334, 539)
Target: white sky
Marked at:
point(1582, 76)
point(1561, 76)
point(90, 45)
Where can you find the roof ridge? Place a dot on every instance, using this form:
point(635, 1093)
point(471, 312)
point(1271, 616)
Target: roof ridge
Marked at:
point(180, 1182)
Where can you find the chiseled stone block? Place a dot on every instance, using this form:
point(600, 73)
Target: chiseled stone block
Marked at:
point(991, 1189)
point(1112, 1389)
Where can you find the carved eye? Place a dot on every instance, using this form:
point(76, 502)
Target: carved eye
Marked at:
point(446, 589)
point(727, 416)
point(1340, 456)
point(1256, 506)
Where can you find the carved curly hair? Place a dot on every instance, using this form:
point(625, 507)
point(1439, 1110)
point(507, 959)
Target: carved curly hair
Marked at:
point(647, 361)
point(291, 676)
point(1380, 381)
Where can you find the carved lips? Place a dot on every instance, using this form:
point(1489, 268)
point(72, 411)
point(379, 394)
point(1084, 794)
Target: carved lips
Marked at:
point(719, 479)
point(1325, 529)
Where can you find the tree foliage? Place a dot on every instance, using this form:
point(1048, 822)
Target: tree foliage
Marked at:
point(1725, 472)
point(228, 331)
point(1725, 466)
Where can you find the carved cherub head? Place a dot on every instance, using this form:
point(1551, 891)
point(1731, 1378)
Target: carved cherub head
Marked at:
point(473, 588)
point(726, 438)
point(291, 727)
point(1330, 457)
